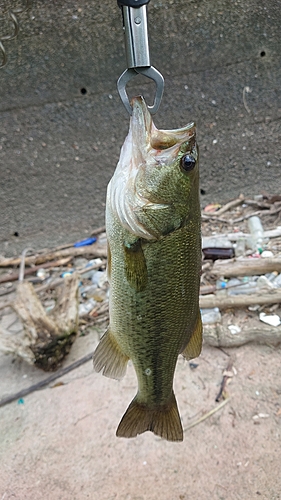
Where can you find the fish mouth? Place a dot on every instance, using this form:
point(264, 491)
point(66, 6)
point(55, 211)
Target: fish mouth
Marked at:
point(147, 137)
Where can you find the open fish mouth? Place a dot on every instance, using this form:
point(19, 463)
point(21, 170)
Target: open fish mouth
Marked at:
point(146, 137)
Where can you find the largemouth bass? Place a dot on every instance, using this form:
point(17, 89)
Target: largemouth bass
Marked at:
point(154, 263)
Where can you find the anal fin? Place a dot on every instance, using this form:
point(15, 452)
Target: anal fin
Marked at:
point(194, 346)
point(109, 358)
point(163, 420)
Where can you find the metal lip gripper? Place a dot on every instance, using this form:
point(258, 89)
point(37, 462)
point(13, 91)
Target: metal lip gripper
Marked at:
point(137, 52)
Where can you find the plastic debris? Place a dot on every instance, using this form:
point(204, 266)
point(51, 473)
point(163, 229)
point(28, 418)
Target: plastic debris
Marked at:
point(264, 282)
point(267, 254)
point(65, 274)
point(93, 262)
point(240, 247)
point(212, 207)
point(277, 281)
point(216, 242)
point(233, 282)
point(261, 415)
point(257, 233)
point(218, 253)
point(270, 319)
point(42, 274)
point(86, 307)
point(210, 316)
point(99, 278)
point(81, 262)
point(234, 329)
point(83, 243)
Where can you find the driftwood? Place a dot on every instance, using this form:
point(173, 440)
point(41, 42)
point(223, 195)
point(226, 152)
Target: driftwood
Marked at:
point(94, 250)
point(271, 233)
point(259, 213)
point(218, 335)
point(228, 301)
point(15, 276)
point(246, 267)
point(46, 339)
point(229, 205)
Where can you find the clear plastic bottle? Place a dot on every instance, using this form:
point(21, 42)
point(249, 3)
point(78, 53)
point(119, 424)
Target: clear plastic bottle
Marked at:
point(257, 233)
point(240, 247)
point(277, 281)
point(216, 242)
point(86, 307)
point(210, 316)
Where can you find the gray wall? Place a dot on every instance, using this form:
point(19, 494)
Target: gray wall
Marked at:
point(58, 147)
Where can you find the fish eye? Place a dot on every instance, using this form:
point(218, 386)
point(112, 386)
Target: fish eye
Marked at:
point(188, 163)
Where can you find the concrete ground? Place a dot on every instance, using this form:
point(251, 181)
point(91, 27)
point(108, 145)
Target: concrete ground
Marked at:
point(59, 443)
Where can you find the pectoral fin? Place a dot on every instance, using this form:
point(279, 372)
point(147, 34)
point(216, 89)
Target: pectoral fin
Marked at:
point(194, 346)
point(109, 358)
point(135, 265)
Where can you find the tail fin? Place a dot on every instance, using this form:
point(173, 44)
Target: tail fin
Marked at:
point(163, 420)
point(109, 358)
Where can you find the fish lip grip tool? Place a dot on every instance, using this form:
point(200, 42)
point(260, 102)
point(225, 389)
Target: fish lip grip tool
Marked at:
point(137, 52)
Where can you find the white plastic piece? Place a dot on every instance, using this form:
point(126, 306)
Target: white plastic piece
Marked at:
point(270, 319)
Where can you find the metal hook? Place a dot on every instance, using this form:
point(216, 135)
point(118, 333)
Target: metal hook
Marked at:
point(149, 72)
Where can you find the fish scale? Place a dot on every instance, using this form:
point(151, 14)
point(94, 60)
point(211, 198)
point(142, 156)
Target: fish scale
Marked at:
point(154, 280)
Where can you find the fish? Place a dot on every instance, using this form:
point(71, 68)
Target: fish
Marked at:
point(154, 265)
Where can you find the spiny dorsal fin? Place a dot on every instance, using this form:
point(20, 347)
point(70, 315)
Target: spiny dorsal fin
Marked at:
point(109, 358)
point(194, 346)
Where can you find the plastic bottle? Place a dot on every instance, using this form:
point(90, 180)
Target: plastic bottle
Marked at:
point(251, 286)
point(86, 307)
point(257, 233)
point(222, 284)
point(271, 276)
point(210, 316)
point(99, 278)
point(216, 242)
point(245, 289)
point(277, 281)
point(240, 247)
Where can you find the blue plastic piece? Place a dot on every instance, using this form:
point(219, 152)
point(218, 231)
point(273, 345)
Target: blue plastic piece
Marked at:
point(66, 273)
point(83, 243)
point(21, 401)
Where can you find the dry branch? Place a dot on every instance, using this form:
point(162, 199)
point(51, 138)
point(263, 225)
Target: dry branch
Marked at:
point(226, 302)
point(220, 336)
point(14, 276)
point(246, 267)
point(229, 205)
point(94, 250)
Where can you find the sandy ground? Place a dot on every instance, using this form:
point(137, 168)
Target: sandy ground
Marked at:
point(59, 443)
